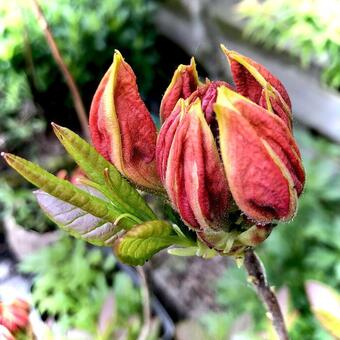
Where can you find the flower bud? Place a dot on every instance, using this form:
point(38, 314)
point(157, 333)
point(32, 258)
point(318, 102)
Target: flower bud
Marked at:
point(251, 130)
point(14, 316)
point(121, 127)
point(5, 334)
point(184, 82)
point(190, 167)
point(254, 81)
point(261, 159)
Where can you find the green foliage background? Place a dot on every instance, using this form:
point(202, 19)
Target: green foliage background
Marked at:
point(308, 30)
point(71, 284)
point(86, 32)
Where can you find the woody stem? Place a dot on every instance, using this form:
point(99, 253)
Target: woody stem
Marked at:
point(257, 276)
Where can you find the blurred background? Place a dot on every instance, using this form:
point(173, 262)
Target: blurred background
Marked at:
point(78, 292)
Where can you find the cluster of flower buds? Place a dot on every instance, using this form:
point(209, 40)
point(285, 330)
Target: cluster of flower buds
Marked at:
point(13, 318)
point(225, 154)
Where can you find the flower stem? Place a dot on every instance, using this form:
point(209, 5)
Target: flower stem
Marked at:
point(144, 334)
point(257, 276)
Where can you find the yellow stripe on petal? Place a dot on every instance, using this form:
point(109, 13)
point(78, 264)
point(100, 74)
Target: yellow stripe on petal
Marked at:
point(242, 60)
point(111, 119)
point(183, 83)
point(286, 174)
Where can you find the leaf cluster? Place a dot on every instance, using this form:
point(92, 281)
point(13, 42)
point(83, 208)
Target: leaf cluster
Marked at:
point(103, 208)
point(71, 284)
point(84, 31)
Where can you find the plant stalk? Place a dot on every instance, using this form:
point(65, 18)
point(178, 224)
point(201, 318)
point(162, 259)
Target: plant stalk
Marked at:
point(257, 276)
point(77, 100)
point(146, 305)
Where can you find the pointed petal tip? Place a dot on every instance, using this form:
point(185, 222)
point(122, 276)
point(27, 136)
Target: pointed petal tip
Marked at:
point(181, 102)
point(230, 54)
point(226, 98)
point(224, 49)
point(184, 82)
point(117, 54)
point(117, 60)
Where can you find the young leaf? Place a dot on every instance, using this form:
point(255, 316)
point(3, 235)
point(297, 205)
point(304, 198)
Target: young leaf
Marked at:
point(66, 192)
point(94, 165)
point(144, 240)
point(76, 221)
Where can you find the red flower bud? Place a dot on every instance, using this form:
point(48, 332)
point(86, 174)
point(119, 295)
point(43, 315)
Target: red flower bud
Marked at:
point(254, 81)
point(5, 334)
point(121, 127)
point(190, 167)
point(226, 158)
point(263, 173)
point(261, 159)
point(184, 82)
point(14, 316)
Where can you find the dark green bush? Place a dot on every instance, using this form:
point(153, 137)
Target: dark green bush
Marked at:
point(87, 32)
point(71, 284)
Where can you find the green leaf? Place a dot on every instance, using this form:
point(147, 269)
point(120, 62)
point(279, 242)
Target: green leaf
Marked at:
point(66, 192)
point(113, 185)
point(144, 240)
point(76, 221)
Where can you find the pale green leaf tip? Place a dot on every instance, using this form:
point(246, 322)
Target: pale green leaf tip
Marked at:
point(57, 129)
point(8, 157)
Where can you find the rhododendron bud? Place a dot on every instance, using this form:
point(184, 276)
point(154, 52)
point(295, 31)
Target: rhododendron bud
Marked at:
point(76, 175)
point(184, 82)
point(14, 316)
point(121, 127)
point(224, 158)
point(255, 82)
point(263, 174)
point(261, 159)
point(5, 334)
point(191, 169)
